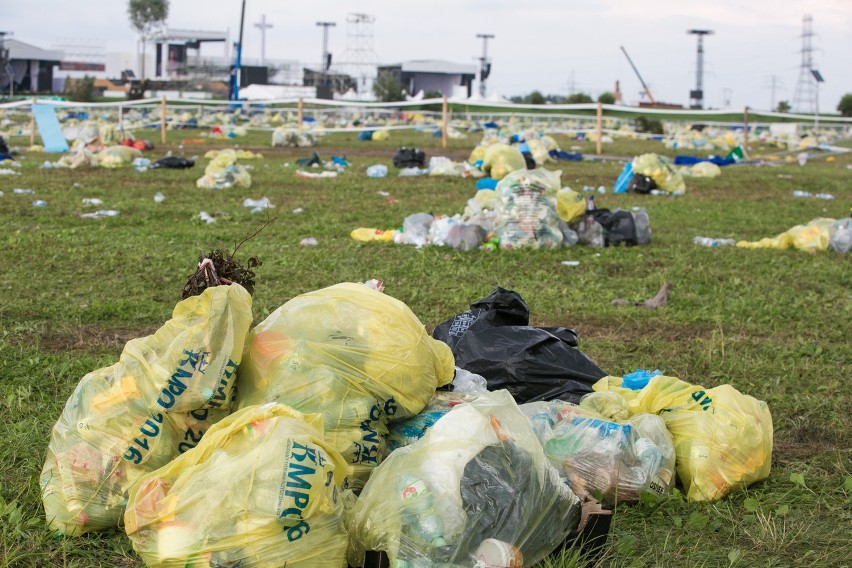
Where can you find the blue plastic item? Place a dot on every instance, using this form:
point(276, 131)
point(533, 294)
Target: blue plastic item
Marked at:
point(48, 128)
point(639, 379)
point(623, 179)
point(365, 136)
point(692, 160)
point(491, 125)
point(566, 156)
point(486, 183)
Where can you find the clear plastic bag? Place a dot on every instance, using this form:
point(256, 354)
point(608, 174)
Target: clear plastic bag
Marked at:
point(129, 419)
point(353, 354)
point(841, 238)
point(477, 476)
point(601, 458)
point(260, 490)
point(526, 216)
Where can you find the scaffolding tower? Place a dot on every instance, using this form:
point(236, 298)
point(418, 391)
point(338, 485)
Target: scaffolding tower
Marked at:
point(359, 60)
point(805, 97)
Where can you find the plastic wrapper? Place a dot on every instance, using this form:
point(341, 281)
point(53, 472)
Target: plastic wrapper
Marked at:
point(129, 419)
point(526, 216)
point(722, 438)
point(353, 354)
point(223, 172)
point(661, 170)
point(481, 209)
point(117, 156)
point(259, 491)
point(811, 237)
point(443, 166)
point(502, 159)
point(603, 459)
point(78, 158)
point(477, 478)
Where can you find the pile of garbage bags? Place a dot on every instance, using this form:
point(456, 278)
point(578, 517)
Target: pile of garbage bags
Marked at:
point(261, 490)
point(475, 488)
point(722, 438)
point(156, 402)
point(353, 354)
point(223, 172)
point(815, 236)
point(653, 171)
point(527, 209)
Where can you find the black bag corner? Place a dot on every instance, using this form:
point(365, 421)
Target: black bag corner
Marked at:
point(641, 183)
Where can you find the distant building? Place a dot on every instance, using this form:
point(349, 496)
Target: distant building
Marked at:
point(433, 75)
point(31, 67)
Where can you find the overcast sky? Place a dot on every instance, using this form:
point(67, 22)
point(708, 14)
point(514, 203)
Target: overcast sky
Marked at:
point(540, 44)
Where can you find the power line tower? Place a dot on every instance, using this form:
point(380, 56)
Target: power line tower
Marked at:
point(696, 96)
point(359, 59)
point(773, 83)
point(804, 97)
point(484, 63)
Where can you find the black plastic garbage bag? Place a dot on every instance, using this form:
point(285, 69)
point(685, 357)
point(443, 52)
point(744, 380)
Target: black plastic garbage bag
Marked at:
point(619, 226)
point(173, 163)
point(409, 158)
point(493, 339)
point(501, 307)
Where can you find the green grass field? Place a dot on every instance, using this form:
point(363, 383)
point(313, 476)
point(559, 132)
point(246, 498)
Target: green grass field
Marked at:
point(774, 324)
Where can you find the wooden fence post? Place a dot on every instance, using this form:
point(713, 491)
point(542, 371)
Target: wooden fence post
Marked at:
point(32, 123)
point(301, 112)
point(600, 128)
point(745, 131)
point(163, 120)
point(444, 122)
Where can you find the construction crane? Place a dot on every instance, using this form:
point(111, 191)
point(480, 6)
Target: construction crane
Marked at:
point(234, 86)
point(644, 86)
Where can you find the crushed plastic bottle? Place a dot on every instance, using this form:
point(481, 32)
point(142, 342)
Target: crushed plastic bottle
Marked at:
point(377, 171)
point(21, 191)
point(40, 203)
point(206, 217)
point(159, 197)
point(92, 201)
point(309, 242)
point(710, 242)
point(101, 213)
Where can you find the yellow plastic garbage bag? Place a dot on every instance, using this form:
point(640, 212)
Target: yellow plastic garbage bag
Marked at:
point(223, 172)
point(722, 438)
point(135, 416)
point(477, 479)
point(259, 491)
point(381, 135)
point(117, 156)
point(353, 354)
point(811, 237)
point(502, 159)
point(661, 170)
point(570, 205)
point(478, 153)
point(603, 458)
point(704, 169)
point(366, 234)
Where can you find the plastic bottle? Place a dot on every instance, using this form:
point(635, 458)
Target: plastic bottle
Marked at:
point(590, 203)
point(377, 171)
point(39, 203)
point(710, 242)
point(159, 197)
point(800, 193)
point(19, 191)
point(419, 510)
